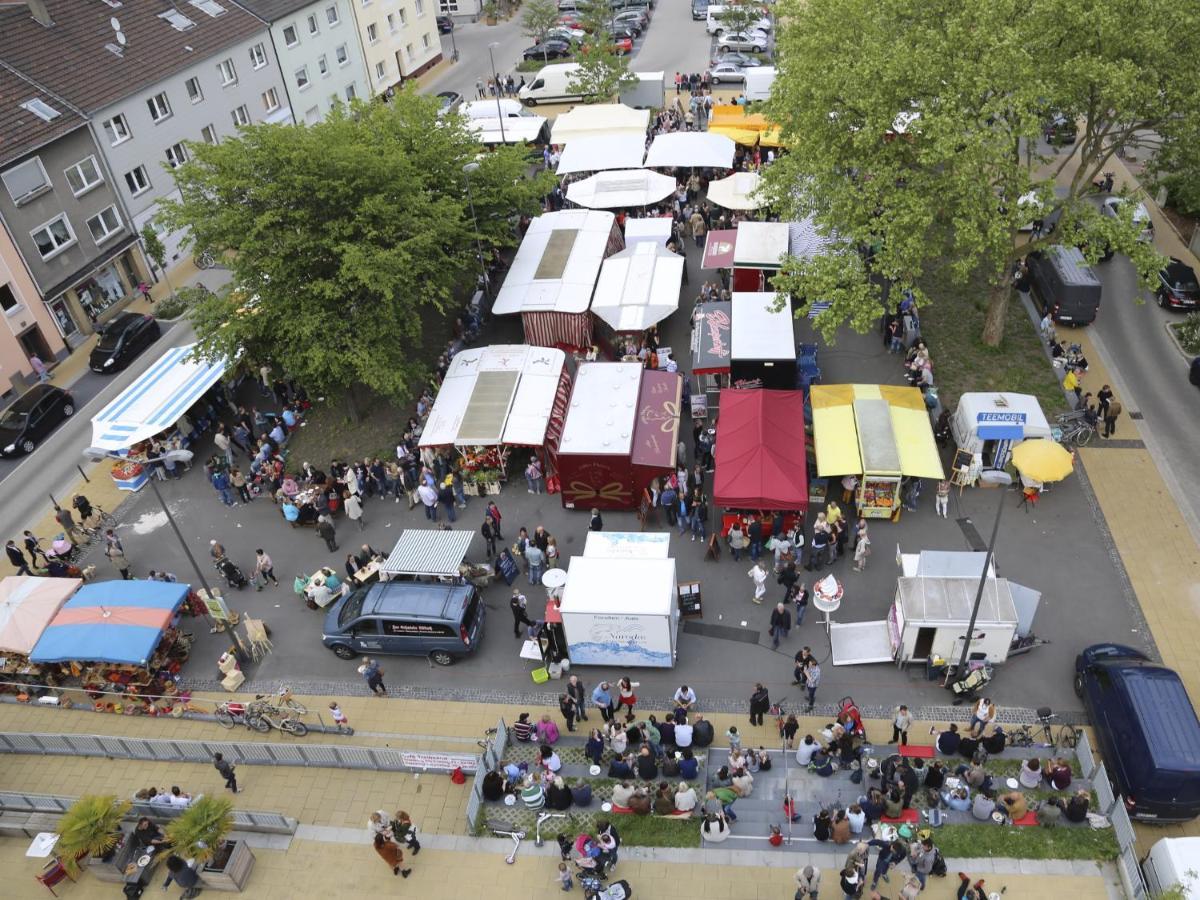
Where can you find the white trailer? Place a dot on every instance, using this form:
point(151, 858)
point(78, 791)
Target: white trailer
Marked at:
point(647, 92)
point(1172, 862)
point(758, 82)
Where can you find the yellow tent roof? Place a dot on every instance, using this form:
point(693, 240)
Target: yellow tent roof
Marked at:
point(835, 432)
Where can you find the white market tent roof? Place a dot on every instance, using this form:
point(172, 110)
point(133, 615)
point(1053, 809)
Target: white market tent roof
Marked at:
point(627, 545)
point(495, 395)
point(758, 331)
point(638, 287)
point(654, 230)
point(738, 191)
point(156, 400)
point(603, 408)
point(602, 118)
point(691, 148)
point(556, 265)
point(619, 586)
point(595, 153)
point(621, 188)
point(761, 245)
point(951, 600)
point(422, 551)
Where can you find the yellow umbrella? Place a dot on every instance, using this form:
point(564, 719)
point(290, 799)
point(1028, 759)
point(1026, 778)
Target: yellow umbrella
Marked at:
point(1042, 460)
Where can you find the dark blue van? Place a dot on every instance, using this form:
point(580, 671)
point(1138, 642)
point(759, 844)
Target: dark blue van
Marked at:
point(1147, 730)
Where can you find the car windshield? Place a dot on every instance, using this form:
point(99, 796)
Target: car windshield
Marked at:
point(12, 420)
point(109, 340)
point(1186, 282)
point(353, 608)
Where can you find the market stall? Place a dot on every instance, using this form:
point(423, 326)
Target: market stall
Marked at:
point(493, 399)
point(880, 433)
point(987, 425)
point(621, 189)
point(711, 347)
point(760, 456)
point(638, 288)
point(737, 191)
point(763, 350)
point(650, 230)
point(515, 130)
point(758, 253)
point(698, 149)
point(28, 604)
point(621, 432)
point(746, 128)
point(154, 405)
point(598, 152)
point(600, 119)
point(552, 276)
point(427, 554)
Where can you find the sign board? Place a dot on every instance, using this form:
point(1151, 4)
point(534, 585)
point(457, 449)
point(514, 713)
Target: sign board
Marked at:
point(699, 406)
point(215, 604)
point(1007, 418)
point(689, 599)
point(619, 639)
point(442, 762)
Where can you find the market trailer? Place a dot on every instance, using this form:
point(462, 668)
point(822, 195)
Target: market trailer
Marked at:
point(763, 342)
point(987, 425)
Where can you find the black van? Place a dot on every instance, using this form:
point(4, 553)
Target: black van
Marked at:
point(1148, 732)
point(1065, 285)
point(443, 622)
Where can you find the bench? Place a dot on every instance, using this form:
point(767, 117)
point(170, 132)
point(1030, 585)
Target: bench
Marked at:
point(627, 811)
point(918, 751)
point(911, 816)
point(27, 824)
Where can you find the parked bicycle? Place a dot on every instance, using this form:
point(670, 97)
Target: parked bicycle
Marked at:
point(278, 718)
point(1042, 733)
point(489, 740)
point(1074, 428)
point(285, 700)
point(229, 714)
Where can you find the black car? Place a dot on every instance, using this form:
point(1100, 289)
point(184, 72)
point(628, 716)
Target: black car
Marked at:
point(551, 49)
point(445, 24)
point(1194, 372)
point(121, 340)
point(34, 415)
point(1177, 286)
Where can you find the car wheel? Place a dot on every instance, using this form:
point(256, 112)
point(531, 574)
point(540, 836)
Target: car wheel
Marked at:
point(1161, 295)
point(1078, 684)
point(441, 657)
point(341, 651)
point(27, 446)
point(68, 409)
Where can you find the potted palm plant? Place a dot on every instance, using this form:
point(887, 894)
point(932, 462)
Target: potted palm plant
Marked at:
point(91, 829)
point(491, 12)
point(201, 832)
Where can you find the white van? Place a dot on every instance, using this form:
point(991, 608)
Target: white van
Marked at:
point(1173, 861)
point(715, 26)
point(494, 109)
point(551, 85)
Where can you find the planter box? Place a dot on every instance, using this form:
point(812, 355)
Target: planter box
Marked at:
point(112, 871)
point(234, 871)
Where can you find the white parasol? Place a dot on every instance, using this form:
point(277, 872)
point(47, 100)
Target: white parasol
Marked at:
point(738, 191)
point(621, 188)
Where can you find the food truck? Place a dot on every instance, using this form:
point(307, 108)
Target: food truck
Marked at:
point(987, 425)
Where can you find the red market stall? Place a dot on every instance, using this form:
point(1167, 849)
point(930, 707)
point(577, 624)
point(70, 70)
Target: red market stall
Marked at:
point(760, 454)
point(621, 432)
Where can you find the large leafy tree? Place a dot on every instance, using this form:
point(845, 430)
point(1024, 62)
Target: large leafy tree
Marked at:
point(344, 236)
point(913, 129)
point(603, 73)
point(539, 18)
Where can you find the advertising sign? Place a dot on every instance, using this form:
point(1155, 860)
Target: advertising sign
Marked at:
point(617, 639)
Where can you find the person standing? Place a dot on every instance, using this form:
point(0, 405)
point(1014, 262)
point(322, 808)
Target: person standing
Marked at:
point(781, 624)
point(760, 702)
point(808, 883)
point(758, 574)
point(900, 724)
point(354, 510)
point(238, 479)
point(569, 710)
point(862, 549)
point(227, 771)
point(535, 557)
point(1111, 410)
point(596, 523)
point(116, 554)
point(520, 617)
point(942, 500)
point(17, 558)
point(66, 521)
point(812, 681)
point(1103, 398)
point(264, 568)
point(577, 692)
point(627, 697)
point(39, 369)
point(982, 715)
point(533, 476)
point(405, 831)
point(602, 699)
point(803, 655)
point(493, 513)
point(326, 532)
point(429, 499)
point(220, 482)
point(489, 536)
point(373, 675)
point(224, 444)
point(389, 851)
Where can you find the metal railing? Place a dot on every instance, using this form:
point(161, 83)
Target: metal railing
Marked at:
point(1112, 805)
point(243, 820)
point(486, 761)
point(1085, 755)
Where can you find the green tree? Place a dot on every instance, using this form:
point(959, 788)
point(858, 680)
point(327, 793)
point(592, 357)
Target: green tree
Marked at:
point(738, 17)
point(913, 129)
point(603, 73)
point(157, 252)
point(540, 16)
point(345, 236)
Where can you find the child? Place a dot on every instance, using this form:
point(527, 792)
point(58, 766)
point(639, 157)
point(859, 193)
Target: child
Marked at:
point(776, 838)
point(564, 877)
point(564, 846)
point(339, 718)
point(735, 739)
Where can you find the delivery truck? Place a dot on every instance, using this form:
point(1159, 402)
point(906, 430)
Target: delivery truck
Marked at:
point(551, 84)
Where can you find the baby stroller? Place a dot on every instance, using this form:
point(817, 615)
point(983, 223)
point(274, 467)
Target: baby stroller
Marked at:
point(618, 890)
point(234, 577)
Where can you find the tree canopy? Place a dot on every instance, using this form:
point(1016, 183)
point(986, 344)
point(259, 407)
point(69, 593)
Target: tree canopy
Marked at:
point(913, 129)
point(346, 235)
point(602, 72)
point(540, 17)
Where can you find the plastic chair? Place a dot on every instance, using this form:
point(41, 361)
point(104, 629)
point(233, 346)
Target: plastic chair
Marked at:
point(53, 873)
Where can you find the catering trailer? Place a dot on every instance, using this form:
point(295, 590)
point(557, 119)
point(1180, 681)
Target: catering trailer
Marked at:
point(987, 425)
point(763, 342)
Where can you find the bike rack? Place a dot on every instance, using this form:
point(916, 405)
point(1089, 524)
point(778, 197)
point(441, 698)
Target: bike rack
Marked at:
point(544, 817)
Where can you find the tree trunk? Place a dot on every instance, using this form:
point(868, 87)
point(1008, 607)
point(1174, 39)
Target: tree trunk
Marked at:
point(997, 312)
point(352, 405)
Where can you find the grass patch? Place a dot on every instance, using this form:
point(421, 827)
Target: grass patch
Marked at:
point(1187, 333)
point(992, 841)
point(636, 831)
point(951, 326)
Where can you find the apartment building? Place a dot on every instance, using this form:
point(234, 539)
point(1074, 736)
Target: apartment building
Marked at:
point(319, 53)
point(399, 39)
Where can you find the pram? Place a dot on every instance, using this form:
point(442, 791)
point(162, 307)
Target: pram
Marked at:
point(234, 577)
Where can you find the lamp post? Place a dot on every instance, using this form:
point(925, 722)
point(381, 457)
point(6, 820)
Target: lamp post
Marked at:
point(1001, 482)
point(468, 169)
point(496, 82)
point(453, 43)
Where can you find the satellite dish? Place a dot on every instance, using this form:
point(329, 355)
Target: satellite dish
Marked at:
point(121, 38)
point(115, 23)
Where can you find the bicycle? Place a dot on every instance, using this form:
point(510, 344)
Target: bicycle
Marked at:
point(274, 717)
point(1027, 735)
point(1078, 433)
point(285, 700)
point(229, 714)
point(488, 740)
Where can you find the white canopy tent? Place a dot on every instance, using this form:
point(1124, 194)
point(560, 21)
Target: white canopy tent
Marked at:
point(759, 331)
point(691, 148)
point(156, 400)
point(495, 395)
point(556, 265)
point(652, 230)
point(621, 188)
point(638, 287)
point(516, 130)
point(738, 191)
point(602, 118)
point(761, 245)
point(596, 153)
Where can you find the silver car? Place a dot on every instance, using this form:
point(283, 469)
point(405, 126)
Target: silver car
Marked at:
point(743, 40)
point(726, 72)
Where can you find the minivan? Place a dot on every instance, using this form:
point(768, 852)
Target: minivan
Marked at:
point(121, 340)
point(1065, 285)
point(699, 10)
point(443, 622)
point(1147, 730)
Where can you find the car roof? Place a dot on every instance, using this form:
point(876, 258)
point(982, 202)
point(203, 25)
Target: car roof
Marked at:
point(1072, 268)
point(124, 320)
point(1178, 269)
point(1160, 702)
point(417, 601)
point(34, 395)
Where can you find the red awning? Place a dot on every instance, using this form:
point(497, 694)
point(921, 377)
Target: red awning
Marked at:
point(718, 249)
point(656, 431)
point(760, 451)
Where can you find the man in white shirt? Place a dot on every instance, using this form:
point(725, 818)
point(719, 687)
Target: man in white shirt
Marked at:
point(684, 697)
point(429, 499)
point(804, 752)
point(178, 798)
point(683, 735)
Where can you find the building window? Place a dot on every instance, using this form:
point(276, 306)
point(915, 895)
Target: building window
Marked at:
point(313, 26)
point(420, 6)
point(83, 176)
point(160, 107)
point(53, 237)
point(210, 7)
point(270, 100)
point(322, 64)
point(258, 56)
point(372, 34)
point(176, 155)
point(380, 70)
point(302, 77)
point(351, 93)
point(193, 90)
point(425, 41)
point(104, 225)
point(137, 181)
point(41, 109)
point(117, 130)
point(403, 17)
point(26, 181)
point(290, 37)
point(408, 49)
point(312, 115)
point(342, 56)
point(228, 73)
point(8, 300)
point(331, 15)
point(209, 134)
point(241, 116)
point(391, 20)
point(177, 20)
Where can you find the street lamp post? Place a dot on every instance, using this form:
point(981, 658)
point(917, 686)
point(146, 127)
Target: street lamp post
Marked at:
point(496, 83)
point(983, 575)
point(453, 43)
point(468, 169)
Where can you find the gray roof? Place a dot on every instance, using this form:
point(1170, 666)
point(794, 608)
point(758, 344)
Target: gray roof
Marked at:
point(70, 59)
point(20, 130)
point(272, 10)
point(422, 551)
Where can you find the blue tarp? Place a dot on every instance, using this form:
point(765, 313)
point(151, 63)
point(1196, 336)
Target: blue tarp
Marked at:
point(111, 621)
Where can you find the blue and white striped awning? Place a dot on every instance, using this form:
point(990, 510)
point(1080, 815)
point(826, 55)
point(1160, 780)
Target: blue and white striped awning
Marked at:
point(422, 551)
point(156, 400)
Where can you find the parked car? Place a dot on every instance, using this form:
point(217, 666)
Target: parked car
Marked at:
point(1065, 285)
point(633, 20)
point(449, 100)
point(742, 40)
point(32, 417)
point(623, 45)
point(726, 72)
point(563, 33)
point(699, 10)
point(121, 340)
point(551, 49)
point(445, 24)
point(1177, 286)
point(1111, 207)
point(734, 58)
point(1059, 130)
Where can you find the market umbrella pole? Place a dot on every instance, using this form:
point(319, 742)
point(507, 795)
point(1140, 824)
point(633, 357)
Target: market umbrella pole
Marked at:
point(983, 576)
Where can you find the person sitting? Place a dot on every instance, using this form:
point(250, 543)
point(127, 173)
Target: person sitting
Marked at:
point(558, 796)
point(1015, 805)
point(823, 826)
point(685, 797)
point(742, 782)
point(995, 742)
point(547, 731)
point(872, 805)
point(1077, 806)
point(291, 512)
point(532, 794)
point(493, 786)
point(622, 794)
point(948, 741)
point(594, 750)
point(722, 778)
point(1050, 812)
point(984, 805)
point(664, 801)
point(857, 818)
point(935, 776)
point(714, 829)
point(647, 767)
point(289, 487)
point(974, 775)
point(702, 732)
point(1057, 773)
point(522, 729)
point(689, 767)
point(514, 774)
point(841, 828)
point(804, 753)
point(958, 799)
point(893, 803)
point(147, 836)
point(737, 759)
point(178, 798)
point(619, 768)
point(581, 793)
point(1030, 775)
point(640, 803)
point(684, 733)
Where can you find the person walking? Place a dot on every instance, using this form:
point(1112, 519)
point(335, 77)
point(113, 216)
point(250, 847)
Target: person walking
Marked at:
point(862, 549)
point(577, 692)
point(17, 558)
point(373, 675)
point(901, 722)
point(238, 479)
point(326, 532)
point(389, 851)
point(493, 513)
point(354, 510)
point(264, 568)
point(808, 883)
point(921, 856)
point(602, 699)
point(982, 715)
point(781, 624)
point(533, 476)
point(812, 681)
point(66, 521)
point(224, 444)
point(220, 483)
point(429, 499)
point(520, 617)
point(942, 499)
point(115, 552)
point(405, 831)
point(227, 771)
point(489, 536)
point(626, 697)
point(760, 702)
point(1111, 410)
point(758, 574)
point(569, 710)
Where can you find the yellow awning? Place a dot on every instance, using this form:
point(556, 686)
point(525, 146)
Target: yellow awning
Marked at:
point(741, 136)
point(835, 433)
point(834, 436)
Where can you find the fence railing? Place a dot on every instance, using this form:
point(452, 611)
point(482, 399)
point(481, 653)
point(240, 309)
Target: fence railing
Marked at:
point(243, 820)
point(1112, 805)
point(487, 760)
point(332, 756)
